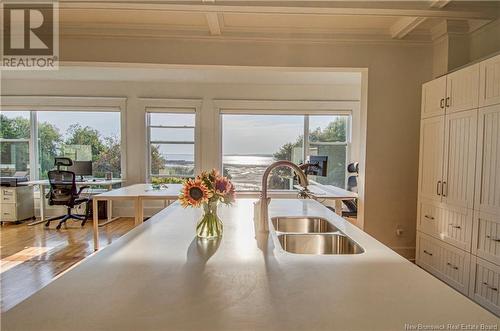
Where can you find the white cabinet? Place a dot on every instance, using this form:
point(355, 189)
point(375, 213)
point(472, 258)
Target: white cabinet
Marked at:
point(488, 161)
point(485, 285)
point(433, 97)
point(450, 264)
point(489, 82)
point(431, 157)
point(462, 89)
point(16, 203)
point(459, 159)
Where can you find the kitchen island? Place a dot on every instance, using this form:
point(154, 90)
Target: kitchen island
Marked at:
point(160, 277)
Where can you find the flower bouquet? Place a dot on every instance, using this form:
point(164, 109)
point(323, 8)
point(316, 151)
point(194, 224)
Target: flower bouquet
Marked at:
point(207, 190)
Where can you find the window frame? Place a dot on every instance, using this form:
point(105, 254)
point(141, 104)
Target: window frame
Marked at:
point(172, 106)
point(291, 107)
point(34, 104)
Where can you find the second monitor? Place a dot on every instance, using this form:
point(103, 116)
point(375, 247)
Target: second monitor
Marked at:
point(81, 168)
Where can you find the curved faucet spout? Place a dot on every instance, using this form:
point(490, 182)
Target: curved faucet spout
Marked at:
point(264, 200)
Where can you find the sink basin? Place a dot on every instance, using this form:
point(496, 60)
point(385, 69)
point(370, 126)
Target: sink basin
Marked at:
point(302, 225)
point(318, 244)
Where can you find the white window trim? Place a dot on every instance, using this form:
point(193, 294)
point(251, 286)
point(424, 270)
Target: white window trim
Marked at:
point(289, 107)
point(180, 106)
point(33, 104)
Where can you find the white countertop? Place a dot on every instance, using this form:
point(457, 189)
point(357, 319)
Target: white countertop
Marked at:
point(159, 277)
point(144, 191)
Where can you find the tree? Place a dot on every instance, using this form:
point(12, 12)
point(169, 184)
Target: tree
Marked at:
point(86, 136)
point(110, 158)
point(157, 160)
point(14, 128)
point(50, 141)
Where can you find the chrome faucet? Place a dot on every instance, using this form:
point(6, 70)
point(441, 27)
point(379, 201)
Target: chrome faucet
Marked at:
point(264, 200)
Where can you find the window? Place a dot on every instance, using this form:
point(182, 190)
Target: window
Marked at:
point(81, 136)
point(281, 137)
point(15, 133)
point(171, 144)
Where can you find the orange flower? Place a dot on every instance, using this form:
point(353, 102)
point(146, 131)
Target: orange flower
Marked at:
point(194, 193)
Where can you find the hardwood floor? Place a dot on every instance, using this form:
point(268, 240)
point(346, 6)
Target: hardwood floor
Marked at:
point(31, 256)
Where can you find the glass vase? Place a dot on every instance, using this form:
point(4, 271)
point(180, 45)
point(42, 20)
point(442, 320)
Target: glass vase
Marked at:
point(209, 226)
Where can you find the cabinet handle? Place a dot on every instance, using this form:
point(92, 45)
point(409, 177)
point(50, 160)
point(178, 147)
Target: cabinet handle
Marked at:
point(438, 187)
point(426, 252)
point(429, 217)
point(451, 266)
point(447, 101)
point(490, 287)
point(493, 238)
point(455, 226)
point(443, 189)
point(441, 103)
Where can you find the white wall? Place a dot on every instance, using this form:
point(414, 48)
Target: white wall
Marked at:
point(395, 75)
point(485, 41)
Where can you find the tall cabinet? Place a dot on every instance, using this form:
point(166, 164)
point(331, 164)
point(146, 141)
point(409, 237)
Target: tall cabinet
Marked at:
point(458, 220)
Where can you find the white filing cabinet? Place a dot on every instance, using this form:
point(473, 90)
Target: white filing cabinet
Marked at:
point(16, 203)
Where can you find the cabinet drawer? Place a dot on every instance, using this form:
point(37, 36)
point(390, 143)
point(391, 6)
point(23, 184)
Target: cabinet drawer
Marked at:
point(450, 224)
point(8, 212)
point(487, 236)
point(8, 195)
point(485, 287)
point(450, 264)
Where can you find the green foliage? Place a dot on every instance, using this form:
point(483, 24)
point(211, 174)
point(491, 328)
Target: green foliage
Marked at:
point(50, 141)
point(157, 160)
point(86, 136)
point(15, 128)
point(167, 180)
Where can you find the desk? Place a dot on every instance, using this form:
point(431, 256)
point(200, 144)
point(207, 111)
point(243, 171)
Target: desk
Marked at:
point(44, 183)
point(330, 192)
point(137, 193)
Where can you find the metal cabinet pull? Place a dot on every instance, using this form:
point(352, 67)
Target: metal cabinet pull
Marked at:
point(426, 252)
point(493, 238)
point(438, 187)
point(490, 287)
point(447, 101)
point(452, 266)
point(429, 217)
point(443, 189)
point(441, 103)
point(455, 226)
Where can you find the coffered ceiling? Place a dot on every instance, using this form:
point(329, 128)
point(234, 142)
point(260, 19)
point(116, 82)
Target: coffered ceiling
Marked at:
point(320, 21)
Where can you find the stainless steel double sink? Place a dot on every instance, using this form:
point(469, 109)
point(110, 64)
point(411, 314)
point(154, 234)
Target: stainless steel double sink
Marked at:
point(312, 235)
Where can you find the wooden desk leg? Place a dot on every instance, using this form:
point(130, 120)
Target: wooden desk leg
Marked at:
point(42, 206)
point(338, 207)
point(95, 223)
point(139, 211)
point(110, 210)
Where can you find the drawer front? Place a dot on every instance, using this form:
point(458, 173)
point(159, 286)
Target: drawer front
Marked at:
point(487, 236)
point(450, 224)
point(8, 195)
point(8, 212)
point(427, 253)
point(485, 287)
point(450, 264)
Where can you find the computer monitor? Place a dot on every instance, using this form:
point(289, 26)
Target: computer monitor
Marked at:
point(81, 168)
point(318, 165)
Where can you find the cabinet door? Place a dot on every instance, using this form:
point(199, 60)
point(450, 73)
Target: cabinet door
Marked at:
point(460, 159)
point(433, 97)
point(487, 197)
point(431, 157)
point(462, 89)
point(489, 82)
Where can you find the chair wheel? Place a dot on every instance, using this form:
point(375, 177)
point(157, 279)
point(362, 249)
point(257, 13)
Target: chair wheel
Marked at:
point(58, 227)
point(47, 225)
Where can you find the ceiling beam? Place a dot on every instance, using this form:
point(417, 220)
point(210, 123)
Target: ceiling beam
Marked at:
point(439, 3)
point(325, 10)
point(405, 25)
point(214, 25)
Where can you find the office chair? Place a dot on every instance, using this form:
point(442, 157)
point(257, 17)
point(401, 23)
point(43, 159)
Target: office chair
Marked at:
point(352, 185)
point(63, 192)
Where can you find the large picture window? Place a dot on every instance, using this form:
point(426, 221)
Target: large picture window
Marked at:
point(251, 143)
point(15, 134)
point(171, 144)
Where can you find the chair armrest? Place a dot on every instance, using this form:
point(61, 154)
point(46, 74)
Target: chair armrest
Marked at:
point(82, 188)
